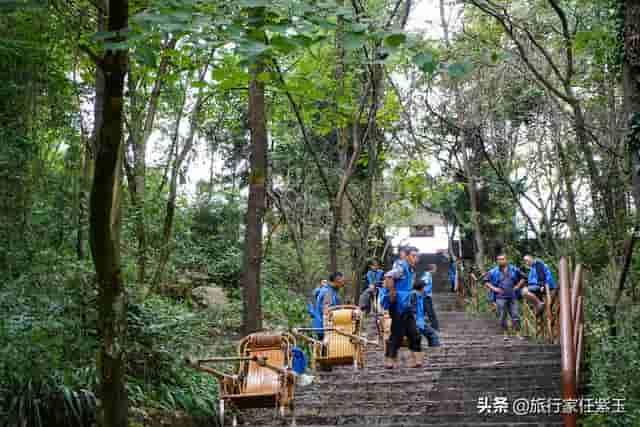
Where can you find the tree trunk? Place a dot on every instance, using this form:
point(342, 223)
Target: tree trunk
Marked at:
point(374, 139)
point(567, 180)
point(333, 238)
point(251, 313)
point(139, 132)
point(83, 197)
point(631, 86)
point(338, 206)
point(112, 319)
point(472, 190)
point(469, 172)
point(179, 159)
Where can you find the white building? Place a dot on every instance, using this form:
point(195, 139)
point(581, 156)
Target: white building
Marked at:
point(426, 231)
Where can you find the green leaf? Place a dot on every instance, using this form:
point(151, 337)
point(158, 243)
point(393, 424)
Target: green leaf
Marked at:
point(252, 4)
point(264, 77)
point(394, 40)
point(353, 41)
point(146, 57)
point(459, 69)
point(345, 12)
point(359, 27)
point(104, 35)
point(303, 40)
point(116, 46)
point(426, 62)
point(283, 44)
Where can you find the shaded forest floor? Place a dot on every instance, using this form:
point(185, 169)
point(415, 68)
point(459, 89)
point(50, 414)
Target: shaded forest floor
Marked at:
point(50, 326)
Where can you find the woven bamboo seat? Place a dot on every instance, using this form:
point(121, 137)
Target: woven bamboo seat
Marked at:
point(263, 378)
point(342, 343)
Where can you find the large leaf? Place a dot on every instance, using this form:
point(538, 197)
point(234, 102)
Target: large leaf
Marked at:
point(353, 41)
point(394, 40)
point(426, 62)
point(345, 12)
point(283, 44)
point(458, 70)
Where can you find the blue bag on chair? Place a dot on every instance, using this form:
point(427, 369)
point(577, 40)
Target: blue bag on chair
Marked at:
point(299, 362)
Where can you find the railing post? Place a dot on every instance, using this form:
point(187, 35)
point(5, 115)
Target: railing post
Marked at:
point(567, 347)
point(548, 314)
point(575, 291)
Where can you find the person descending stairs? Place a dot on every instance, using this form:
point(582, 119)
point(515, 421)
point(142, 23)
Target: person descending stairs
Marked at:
point(474, 379)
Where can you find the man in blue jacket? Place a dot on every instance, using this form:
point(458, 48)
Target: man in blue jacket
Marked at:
point(326, 297)
point(369, 297)
point(395, 297)
point(504, 283)
point(427, 277)
point(539, 276)
point(375, 275)
point(453, 272)
point(419, 297)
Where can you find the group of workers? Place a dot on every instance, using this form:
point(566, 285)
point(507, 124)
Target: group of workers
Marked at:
point(507, 284)
point(408, 299)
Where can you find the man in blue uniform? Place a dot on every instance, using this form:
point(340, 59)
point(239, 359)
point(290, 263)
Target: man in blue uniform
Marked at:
point(504, 283)
point(452, 273)
point(539, 276)
point(327, 297)
point(375, 275)
point(427, 277)
point(374, 279)
point(418, 297)
point(402, 255)
point(395, 298)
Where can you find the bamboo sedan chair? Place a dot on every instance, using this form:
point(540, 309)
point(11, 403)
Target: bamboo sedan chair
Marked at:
point(342, 343)
point(263, 378)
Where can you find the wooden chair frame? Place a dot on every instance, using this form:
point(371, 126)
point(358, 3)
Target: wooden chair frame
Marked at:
point(263, 378)
point(340, 346)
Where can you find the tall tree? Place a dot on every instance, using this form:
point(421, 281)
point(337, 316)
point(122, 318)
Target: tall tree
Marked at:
point(631, 86)
point(468, 145)
point(140, 125)
point(112, 319)
point(179, 158)
point(252, 313)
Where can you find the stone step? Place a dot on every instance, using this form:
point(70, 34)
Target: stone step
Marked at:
point(381, 410)
point(423, 419)
point(395, 397)
point(458, 422)
point(474, 362)
point(481, 385)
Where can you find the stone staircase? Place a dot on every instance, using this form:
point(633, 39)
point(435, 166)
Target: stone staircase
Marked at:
point(474, 363)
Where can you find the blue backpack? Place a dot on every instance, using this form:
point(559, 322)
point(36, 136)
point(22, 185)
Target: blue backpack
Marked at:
point(299, 361)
